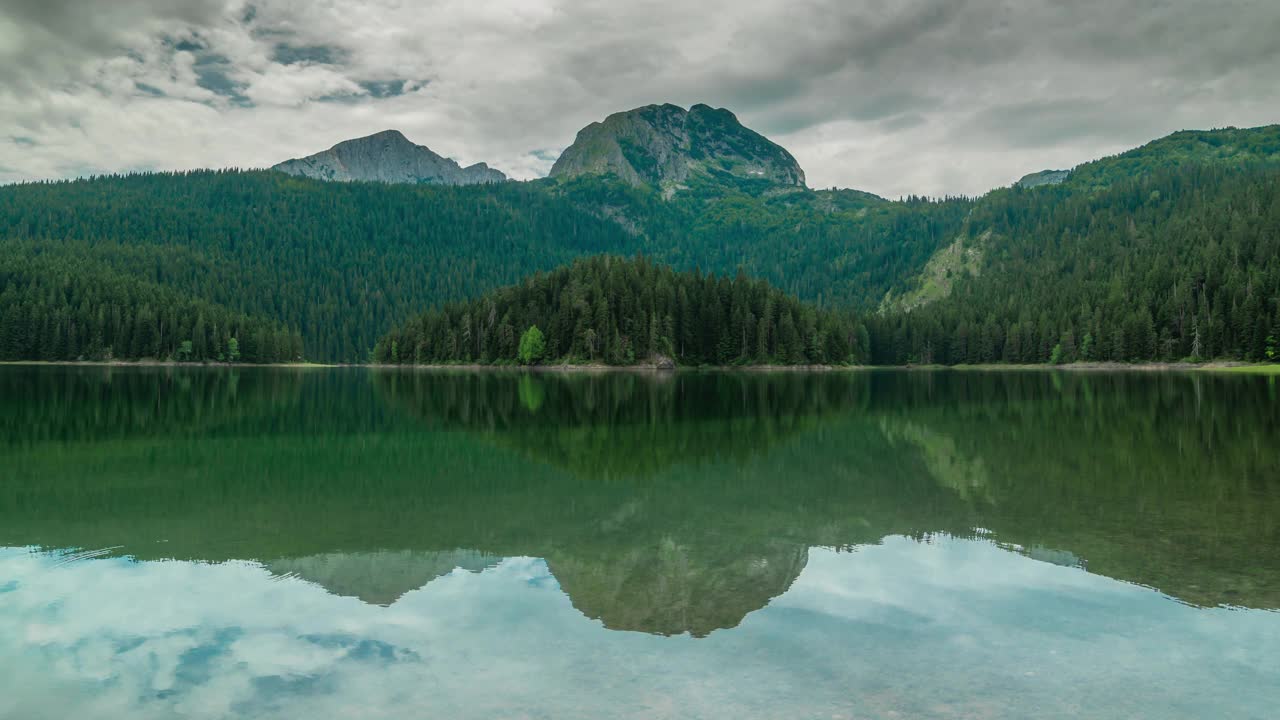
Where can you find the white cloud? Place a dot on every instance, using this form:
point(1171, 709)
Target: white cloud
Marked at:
point(925, 96)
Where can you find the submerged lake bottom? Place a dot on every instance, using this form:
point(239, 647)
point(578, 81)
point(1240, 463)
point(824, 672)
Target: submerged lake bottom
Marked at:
point(337, 543)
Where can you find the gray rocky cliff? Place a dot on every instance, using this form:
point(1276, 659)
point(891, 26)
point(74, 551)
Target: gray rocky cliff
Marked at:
point(667, 146)
point(388, 157)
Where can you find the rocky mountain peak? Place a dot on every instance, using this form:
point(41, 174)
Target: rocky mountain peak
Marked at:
point(389, 157)
point(667, 146)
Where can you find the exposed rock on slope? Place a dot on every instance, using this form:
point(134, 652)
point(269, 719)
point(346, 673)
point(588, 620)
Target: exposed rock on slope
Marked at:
point(388, 157)
point(962, 258)
point(1044, 177)
point(666, 146)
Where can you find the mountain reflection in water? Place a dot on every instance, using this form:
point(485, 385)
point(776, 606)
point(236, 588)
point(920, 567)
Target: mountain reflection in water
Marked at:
point(661, 504)
point(271, 543)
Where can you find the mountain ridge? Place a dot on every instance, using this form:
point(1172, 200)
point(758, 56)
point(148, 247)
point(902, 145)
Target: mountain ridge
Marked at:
point(388, 156)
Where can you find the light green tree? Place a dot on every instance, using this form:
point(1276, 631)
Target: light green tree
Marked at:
point(532, 346)
point(233, 350)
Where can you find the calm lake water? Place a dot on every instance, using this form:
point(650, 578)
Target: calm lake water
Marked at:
point(198, 543)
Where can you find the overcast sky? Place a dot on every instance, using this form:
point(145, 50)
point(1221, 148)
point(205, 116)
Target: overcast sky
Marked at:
point(894, 96)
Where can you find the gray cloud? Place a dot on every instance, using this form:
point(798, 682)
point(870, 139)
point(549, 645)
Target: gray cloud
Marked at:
point(384, 88)
point(48, 40)
point(917, 96)
point(215, 73)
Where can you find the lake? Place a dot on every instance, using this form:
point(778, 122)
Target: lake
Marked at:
point(338, 543)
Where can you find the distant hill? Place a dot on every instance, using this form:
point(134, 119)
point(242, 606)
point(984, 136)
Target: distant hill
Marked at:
point(669, 147)
point(388, 157)
point(1226, 147)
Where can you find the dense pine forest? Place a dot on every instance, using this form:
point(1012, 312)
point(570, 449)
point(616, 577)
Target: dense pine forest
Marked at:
point(343, 263)
point(338, 263)
point(64, 307)
point(1167, 252)
point(1183, 263)
point(610, 310)
point(837, 248)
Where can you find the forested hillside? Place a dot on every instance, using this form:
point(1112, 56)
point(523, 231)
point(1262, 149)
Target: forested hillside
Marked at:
point(339, 263)
point(837, 248)
point(1228, 147)
point(1182, 262)
point(610, 310)
point(1161, 253)
point(342, 263)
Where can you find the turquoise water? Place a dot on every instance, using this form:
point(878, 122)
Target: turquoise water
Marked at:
point(344, 543)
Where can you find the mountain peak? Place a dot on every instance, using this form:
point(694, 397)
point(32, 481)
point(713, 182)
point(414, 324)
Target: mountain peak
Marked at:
point(387, 156)
point(667, 146)
point(387, 135)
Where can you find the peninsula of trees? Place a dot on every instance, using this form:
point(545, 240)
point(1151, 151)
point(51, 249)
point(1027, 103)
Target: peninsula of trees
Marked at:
point(615, 311)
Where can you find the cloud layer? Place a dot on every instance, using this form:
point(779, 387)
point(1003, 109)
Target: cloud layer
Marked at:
point(922, 96)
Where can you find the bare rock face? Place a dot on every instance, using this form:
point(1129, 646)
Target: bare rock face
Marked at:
point(391, 158)
point(667, 146)
point(1044, 177)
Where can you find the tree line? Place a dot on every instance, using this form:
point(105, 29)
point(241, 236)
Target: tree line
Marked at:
point(340, 263)
point(606, 309)
point(63, 308)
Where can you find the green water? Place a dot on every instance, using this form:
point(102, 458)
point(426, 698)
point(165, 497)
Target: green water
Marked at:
point(190, 543)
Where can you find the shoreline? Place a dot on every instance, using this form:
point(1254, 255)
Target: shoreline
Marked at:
point(602, 368)
point(1225, 366)
point(164, 364)
point(1221, 366)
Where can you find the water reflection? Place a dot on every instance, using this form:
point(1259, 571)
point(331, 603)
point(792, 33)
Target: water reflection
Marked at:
point(945, 629)
point(274, 543)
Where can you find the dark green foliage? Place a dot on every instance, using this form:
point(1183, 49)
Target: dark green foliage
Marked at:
point(837, 248)
point(610, 310)
point(65, 307)
point(341, 262)
point(344, 262)
point(1181, 263)
point(1230, 147)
